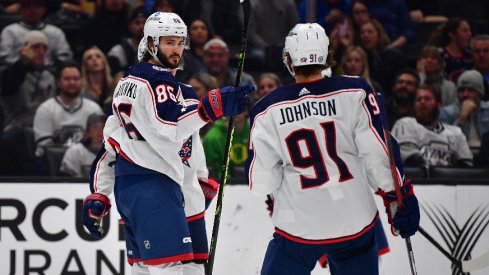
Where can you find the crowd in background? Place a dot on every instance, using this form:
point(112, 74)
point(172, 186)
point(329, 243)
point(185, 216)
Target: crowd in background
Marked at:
point(60, 62)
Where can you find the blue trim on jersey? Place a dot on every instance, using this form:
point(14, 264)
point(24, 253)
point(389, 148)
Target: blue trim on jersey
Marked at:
point(93, 169)
point(167, 110)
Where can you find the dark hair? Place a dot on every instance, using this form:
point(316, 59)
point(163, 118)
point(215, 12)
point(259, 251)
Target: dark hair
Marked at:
point(431, 51)
point(436, 93)
point(441, 36)
point(67, 64)
point(410, 71)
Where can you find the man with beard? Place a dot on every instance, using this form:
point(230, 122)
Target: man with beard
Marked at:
point(62, 119)
point(425, 141)
point(140, 161)
point(400, 104)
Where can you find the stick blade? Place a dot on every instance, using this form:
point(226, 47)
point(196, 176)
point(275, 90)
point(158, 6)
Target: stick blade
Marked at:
point(477, 263)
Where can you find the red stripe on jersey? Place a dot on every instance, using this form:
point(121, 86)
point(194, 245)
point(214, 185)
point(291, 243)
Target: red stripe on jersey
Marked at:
point(196, 217)
point(323, 261)
point(328, 241)
point(383, 250)
point(95, 180)
point(132, 261)
point(182, 257)
point(376, 134)
point(153, 100)
point(118, 149)
point(201, 256)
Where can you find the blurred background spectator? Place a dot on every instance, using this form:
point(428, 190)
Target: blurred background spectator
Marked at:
point(453, 39)
point(354, 62)
point(125, 54)
point(96, 77)
point(425, 141)
point(203, 83)
point(78, 158)
point(469, 112)
point(401, 103)
point(267, 82)
point(328, 12)
point(430, 69)
point(480, 58)
point(25, 84)
point(105, 28)
point(12, 36)
point(61, 120)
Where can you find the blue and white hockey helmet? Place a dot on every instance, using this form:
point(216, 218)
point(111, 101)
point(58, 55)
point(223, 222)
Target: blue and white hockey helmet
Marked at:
point(306, 44)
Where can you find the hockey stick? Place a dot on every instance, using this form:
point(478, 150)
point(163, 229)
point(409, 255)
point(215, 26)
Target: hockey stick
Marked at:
point(395, 177)
point(468, 265)
point(229, 139)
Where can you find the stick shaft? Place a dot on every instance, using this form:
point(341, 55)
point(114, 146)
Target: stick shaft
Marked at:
point(229, 139)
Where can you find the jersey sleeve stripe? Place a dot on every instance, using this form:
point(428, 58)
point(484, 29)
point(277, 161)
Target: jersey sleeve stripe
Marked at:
point(376, 134)
point(97, 170)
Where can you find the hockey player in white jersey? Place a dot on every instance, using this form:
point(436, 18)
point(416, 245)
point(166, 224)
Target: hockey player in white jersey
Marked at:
point(145, 135)
point(425, 141)
point(316, 146)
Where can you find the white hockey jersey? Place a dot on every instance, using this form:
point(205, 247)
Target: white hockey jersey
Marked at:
point(191, 154)
point(438, 147)
point(153, 120)
point(317, 147)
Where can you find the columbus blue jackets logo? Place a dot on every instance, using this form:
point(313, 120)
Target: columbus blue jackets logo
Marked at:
point(186, 151)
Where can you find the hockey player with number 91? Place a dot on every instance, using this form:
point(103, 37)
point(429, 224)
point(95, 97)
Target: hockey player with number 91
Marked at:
point(318, 146)
point(143, 140)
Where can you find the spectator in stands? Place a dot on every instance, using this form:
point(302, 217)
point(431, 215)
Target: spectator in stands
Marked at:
point(267, 82)
point(199, 34)
point(469, 113)
point(425, 11)
point(354, 62)
point(25, 84)
point(384, 62)
point(328, 12)
point(61, 120)
point(106, 28)
point(188, 10)
point(341, 37)
point(96, 78)
point(12, 36)
point(394, 17)
point(216, 62)
point(225, 19)
point(425, 141)
point(202, 83)
point(216, 137)
point(430, 69)
point(401, 104)
point(453, 39)
point(359, 15)
point(79, 157)
point(125, 54)
point(480, 57)
point(267, 42)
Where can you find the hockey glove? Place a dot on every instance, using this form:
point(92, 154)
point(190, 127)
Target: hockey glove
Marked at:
point(227, 101)
point(95, 207)
point(210, 190)
point(405, 220)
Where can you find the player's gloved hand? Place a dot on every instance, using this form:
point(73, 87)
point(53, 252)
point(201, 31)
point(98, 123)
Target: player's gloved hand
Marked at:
point(210, 190)
point(404, 221)
point(227, 101)
point(270, 202)
point(95, 207)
